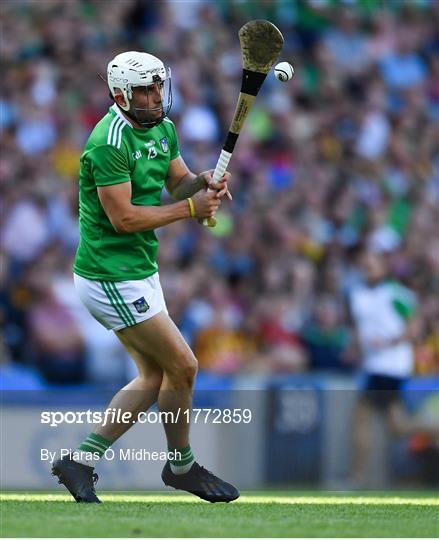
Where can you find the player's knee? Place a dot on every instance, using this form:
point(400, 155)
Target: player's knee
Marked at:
point(184, 370)
point(190, 369)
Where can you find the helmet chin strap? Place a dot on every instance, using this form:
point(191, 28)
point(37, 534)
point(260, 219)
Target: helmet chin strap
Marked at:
point(133, 117)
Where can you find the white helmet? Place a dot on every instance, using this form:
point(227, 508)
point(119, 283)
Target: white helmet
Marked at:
point(133, 68)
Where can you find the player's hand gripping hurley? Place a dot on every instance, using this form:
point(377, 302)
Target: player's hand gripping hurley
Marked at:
point(261, 44)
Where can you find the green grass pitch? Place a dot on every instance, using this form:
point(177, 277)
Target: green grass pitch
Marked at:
point(255, 514)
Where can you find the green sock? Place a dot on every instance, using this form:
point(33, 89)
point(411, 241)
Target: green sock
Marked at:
point(183, 461)
point(94, 443)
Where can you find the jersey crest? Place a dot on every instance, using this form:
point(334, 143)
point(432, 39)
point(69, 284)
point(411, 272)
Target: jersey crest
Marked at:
point(164, 144)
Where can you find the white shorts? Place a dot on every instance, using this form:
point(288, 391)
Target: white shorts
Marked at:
point(118, 304)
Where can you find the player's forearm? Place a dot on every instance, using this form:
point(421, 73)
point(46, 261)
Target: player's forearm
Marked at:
point(186, 186)
point(146, 218)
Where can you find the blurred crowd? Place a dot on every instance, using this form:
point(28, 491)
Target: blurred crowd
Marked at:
point(341, 160)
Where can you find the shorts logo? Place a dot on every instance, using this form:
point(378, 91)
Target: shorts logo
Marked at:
point(141, 305)
point(164, 143)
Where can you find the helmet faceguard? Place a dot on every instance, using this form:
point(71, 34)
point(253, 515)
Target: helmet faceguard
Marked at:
point(147, 117)
point(140, 70)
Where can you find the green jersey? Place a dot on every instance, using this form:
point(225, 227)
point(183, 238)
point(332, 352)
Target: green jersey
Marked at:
point(117, 152)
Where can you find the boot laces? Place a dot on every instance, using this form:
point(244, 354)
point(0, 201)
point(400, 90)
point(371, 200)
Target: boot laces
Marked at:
point(203, 472)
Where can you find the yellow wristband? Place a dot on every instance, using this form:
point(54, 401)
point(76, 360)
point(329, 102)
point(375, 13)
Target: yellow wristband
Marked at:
point(191, 207)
